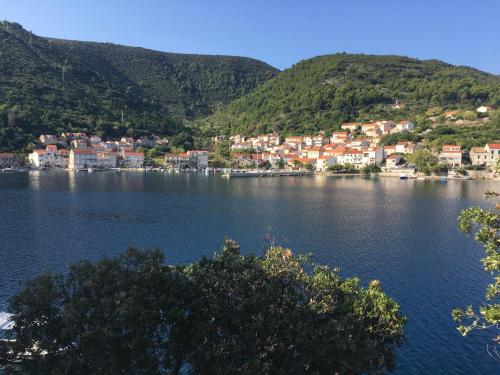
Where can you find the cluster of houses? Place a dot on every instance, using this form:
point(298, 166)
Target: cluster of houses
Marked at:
point(76, 151)
point(357, 144)
point(453, 155)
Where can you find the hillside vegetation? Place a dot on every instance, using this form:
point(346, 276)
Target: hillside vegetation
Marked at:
point(323, 92)
point(155, 90)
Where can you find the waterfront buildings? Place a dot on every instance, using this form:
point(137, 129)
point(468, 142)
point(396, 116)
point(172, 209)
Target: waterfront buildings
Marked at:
point(487, 155)
point(451, 155)
point(131, 159)
point(393, 160)
point(50, 157)
point(82, 158)
point(197, 159)
point(324, 162)
point(177, 161)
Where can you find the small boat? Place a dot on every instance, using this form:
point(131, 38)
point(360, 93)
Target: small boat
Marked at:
point(90, 170)
point(5, 321)
point(403, 176)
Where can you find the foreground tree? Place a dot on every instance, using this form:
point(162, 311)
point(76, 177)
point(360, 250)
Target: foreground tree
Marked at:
point(229, 314)
point(485, 224)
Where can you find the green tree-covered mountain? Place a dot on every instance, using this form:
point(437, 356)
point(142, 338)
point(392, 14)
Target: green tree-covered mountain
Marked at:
point(155, 90)
point(323, 92)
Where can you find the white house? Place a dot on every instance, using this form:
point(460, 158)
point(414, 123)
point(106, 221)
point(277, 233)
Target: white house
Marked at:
point(389, 150)
point(351, 126)
point(339, 137)
point(320, 140)
point(42, 158)
point(308, 140)
point(452, 155)
point(47, 139)
point(393, 160)
point(403, 126)
point(313, 152)
point(238, 138)
point(177, 161)
point(323, 162)
point(373, 155)
point(106, 159)
point(272, 138)
point(79, 143)
point(483, 109)
point(296, 142)
point(493, 150)
point(478, 156)
point(133, 159)
point(351, 156)
point(82, 158)
point(359, 143)
point(405, 147)
point(385, 126)
point(198, 158)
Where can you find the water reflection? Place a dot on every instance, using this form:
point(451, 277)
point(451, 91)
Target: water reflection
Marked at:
point(401, 232)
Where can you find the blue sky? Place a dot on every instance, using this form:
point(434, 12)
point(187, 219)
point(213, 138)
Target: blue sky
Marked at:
point(278, 32)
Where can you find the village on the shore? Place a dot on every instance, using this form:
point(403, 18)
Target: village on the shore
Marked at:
point(352, 149)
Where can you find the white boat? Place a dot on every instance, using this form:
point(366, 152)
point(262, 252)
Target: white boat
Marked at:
point(5, 321)
point(90, 170)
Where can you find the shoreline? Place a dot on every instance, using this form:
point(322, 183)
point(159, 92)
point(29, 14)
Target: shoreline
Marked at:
point(409, 176)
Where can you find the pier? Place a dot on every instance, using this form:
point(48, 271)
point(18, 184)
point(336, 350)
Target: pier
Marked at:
point(263, 173)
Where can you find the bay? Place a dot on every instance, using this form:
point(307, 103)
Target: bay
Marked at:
point(403, 233)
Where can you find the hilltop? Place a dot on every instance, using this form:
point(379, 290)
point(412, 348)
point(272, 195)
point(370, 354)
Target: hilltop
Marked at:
point(51, 85)
point(322, 92)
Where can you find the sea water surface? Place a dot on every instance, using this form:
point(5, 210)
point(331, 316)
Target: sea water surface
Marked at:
point(403, 233)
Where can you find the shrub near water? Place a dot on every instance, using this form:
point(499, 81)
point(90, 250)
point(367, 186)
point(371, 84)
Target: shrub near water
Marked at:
point(228, 314)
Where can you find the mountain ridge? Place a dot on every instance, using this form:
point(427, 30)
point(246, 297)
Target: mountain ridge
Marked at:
point(322, 92)
point(50, 84)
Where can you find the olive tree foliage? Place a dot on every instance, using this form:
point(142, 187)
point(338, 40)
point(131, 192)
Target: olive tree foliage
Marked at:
point(231, 314)
point(485, 224)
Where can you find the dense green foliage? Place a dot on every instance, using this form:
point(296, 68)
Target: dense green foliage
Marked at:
point(229, 314)
point(368, 169)
point(343, 168)
point(155, 90)
point(485, 223)
point(426, 162)
point(324, 91)
point(392, 139)
point(465, 136)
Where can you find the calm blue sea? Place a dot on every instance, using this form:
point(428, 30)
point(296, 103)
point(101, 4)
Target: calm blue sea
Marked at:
point(403, 233)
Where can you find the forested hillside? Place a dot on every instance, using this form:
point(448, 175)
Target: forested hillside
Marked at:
point(323, 92)
point(49, 85)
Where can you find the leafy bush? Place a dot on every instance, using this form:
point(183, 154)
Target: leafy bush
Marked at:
point(227, 314)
